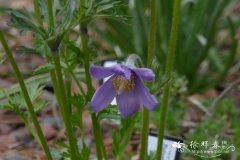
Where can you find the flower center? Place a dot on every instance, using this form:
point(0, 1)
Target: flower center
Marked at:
point(121, 83)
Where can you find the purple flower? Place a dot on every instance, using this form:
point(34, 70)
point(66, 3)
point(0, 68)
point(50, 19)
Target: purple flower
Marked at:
point(126, 85)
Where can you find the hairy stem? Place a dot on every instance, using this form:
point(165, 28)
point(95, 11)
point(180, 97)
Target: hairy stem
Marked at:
point(50, 14)
point(100, 148)
point(95, 122)
point(37, 12)
point(169, 67)
point(65, 109)
point(144, 140)
point(151, 47)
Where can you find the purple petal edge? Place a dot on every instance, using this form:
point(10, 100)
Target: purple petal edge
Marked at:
point(144, 73)
point(103, 96)
point(146, 98)
point(100, 72)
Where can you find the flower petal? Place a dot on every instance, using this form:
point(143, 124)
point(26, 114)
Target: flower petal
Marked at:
point(128, 103)
point(103, 72)
point(122, 70)
point(100, 72)
point(144, 73)
point(103, 96)
point(145, 97)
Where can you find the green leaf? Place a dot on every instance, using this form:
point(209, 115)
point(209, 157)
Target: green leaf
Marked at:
point(27, 50)
point(106, 5)
point(5, 106)
point(61, 143)
point(85, 154)
point(22, 20)
point(15, 88)
point(70, 10)
point(73, 47)
point(111, 112)
point(104, 8)
point(16, 101)
point(43, 69)
point(78, 101)
point(39, 105)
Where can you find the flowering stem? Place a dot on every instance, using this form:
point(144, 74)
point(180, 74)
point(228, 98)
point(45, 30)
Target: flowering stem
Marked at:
point(152, 33)
point(65, 109)
point(37, 12)
point(95, 123)
point(81, 127)
point(100, 148)
point(151, 47)
point(96, 133)
point(144, 142)
point(57, 92)
point(102, 144)
point(169, 67)
point(50, 14)
point(26, 97)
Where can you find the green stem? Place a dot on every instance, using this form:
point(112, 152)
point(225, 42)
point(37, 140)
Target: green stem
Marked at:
point(26, 96)
point(65, 110)
point(81, 8)
point(25, 118)
point(152, 33)
point(102, 143)
point(100, 148)
point(169, 67)
point(81, 127)
point(38, 13)
point(55, 85)
point(56, 92)
point(95, 124)
point(70, 72)
point(151, 47)
point(144, 139)
point(96, 133)
point(50, 14)
point(68, 84)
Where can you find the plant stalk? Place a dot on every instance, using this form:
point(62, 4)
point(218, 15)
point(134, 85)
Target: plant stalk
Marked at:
point(50, 14)
point(151, 47)
point(169, 68)
point(144, 139)
point(96, 130)
point(100, 148)
point(26, 97)
point(64, 108)
point(37, 12)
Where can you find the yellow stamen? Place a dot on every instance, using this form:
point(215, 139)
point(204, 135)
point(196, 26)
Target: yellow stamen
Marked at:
point(121, 83)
